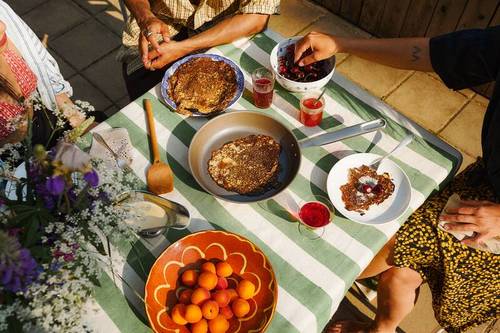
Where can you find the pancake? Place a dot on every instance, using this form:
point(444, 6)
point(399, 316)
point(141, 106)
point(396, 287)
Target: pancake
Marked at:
point(248, 165)
point(203, 85)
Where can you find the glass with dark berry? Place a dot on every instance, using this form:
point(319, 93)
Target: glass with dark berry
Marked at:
point(314, 214)
point(311, 109)
point(263, 87)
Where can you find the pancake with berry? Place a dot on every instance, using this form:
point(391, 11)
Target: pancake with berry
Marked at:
point(365, 188)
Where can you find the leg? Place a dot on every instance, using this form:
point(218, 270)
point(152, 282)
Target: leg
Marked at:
point(396, 297)
point(381, 262)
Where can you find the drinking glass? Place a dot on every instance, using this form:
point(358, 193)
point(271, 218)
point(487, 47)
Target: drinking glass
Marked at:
point(314, 213)
point(263, 87)
point(311, 109)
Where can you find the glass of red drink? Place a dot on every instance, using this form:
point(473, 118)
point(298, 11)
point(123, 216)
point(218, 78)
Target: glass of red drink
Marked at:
point(263, 87)
point(314, 214)
point(311, 109)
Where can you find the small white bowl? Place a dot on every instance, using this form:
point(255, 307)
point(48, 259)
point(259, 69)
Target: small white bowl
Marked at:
point(294, 86)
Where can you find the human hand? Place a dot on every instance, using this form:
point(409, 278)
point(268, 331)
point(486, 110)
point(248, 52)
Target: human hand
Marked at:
point(323, 46)
point(151, 27)
point(482, 217)
point(168, 53)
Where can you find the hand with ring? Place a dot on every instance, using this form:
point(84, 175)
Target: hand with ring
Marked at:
point(151, 27)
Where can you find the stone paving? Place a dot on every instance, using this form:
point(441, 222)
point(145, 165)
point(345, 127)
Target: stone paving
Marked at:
point(84, 35)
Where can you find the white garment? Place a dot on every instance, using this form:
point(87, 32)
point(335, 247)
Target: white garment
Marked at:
point(50, 80)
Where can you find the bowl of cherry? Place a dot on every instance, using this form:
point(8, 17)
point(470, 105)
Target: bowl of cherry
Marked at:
point(297, 78)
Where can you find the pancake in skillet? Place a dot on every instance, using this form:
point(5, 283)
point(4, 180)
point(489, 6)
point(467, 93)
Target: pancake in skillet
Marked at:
point(248, 165)
point(203, 85)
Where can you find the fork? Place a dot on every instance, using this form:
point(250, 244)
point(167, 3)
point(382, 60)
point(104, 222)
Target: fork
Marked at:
point(122, 164)
point(407, 139)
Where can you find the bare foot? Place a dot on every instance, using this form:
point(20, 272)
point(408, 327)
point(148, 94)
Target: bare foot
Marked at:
point(353, 327)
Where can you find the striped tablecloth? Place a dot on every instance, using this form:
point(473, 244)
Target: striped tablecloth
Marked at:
point(313, 275)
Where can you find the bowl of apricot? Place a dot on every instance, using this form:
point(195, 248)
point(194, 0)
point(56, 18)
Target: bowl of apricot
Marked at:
point(211, 282)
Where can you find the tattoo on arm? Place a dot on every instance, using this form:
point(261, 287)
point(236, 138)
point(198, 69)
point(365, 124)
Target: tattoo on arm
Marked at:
point(415, 54)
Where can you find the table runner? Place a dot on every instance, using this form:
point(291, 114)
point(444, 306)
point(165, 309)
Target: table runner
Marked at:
point(313, 275)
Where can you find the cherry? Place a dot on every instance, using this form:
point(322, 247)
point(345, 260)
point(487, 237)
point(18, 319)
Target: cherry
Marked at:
point(365, 188)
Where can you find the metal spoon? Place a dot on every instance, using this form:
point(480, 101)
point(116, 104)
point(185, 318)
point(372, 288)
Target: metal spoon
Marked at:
point(407, 139)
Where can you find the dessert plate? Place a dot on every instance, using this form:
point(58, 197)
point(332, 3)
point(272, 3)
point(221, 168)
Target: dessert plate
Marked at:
point(390, 209)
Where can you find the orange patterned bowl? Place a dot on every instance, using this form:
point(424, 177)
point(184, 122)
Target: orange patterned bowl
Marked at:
point(248, 262)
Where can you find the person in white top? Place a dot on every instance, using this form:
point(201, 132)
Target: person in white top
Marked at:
point(52, 90)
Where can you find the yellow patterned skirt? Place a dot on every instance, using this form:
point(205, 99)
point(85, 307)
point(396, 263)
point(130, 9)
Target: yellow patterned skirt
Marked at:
point(465, 282)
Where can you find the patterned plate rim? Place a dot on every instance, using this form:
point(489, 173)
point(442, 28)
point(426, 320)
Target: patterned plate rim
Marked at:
point(240, 79)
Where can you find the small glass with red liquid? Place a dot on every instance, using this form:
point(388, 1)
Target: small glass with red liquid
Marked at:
point(263, 87)
point(311, 109)
point(314, 214)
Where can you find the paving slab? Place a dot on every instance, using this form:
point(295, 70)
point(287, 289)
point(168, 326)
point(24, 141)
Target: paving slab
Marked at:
point(421, 318)
point(66, 69)
point(55, 17)
point(427, 101)
point(464, 131)
point(466, 92)
point(295, 16)
point(106, 74)
point(86, 44)
point(335, 25)
point(85, 91)
point(21, 7)
point(93, 6)
point(112, 19)
point(377, 79)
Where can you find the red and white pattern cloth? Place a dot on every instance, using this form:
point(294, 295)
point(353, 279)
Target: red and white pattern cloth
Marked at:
point(26, 80)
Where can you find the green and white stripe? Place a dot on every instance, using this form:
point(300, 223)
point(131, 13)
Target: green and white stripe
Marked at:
point(313, 276)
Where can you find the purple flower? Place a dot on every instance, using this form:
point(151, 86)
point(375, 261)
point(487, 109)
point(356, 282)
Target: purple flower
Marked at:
point(92, 178)
point(55, 185)
point(18, 269)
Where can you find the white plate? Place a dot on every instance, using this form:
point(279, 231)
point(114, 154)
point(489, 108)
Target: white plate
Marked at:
point(389, 210)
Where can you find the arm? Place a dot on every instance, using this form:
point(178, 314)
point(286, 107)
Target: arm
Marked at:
point(226, 31)
point(404, 53)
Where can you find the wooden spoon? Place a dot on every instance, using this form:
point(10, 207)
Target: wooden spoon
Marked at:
point(159, 177)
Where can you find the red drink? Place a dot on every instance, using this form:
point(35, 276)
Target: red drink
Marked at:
point(311, 109)
point(263, 93)
point(312, 112)
point(315, 214)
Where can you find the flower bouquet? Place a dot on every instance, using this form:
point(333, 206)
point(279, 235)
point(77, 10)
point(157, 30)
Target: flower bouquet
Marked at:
point(55, 229)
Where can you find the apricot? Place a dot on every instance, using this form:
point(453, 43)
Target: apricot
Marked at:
point(200, 327)
point(199, 296)
point(223, 269)
point(240, 307)
point(189, 277)
point(208, 267)
point(185, 296)
point(193, 313)
point(210, 309)
point(233, 294)
point(245, 289)
point(178, 314)
point(226, 312)
point(222, 297)
point(218, 325)
point(222, 283)
point(207, 280)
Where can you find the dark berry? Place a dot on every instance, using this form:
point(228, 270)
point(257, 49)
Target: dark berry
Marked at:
point(365, 188)
point(377, 189)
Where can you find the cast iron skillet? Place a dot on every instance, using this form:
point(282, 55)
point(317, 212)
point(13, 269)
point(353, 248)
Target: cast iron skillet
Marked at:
point(234, 125)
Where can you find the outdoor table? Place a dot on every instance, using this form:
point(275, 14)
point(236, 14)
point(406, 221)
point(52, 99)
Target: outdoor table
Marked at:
point(313, 275)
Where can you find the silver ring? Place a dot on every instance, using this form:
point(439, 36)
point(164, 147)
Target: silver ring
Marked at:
point(147, 33)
